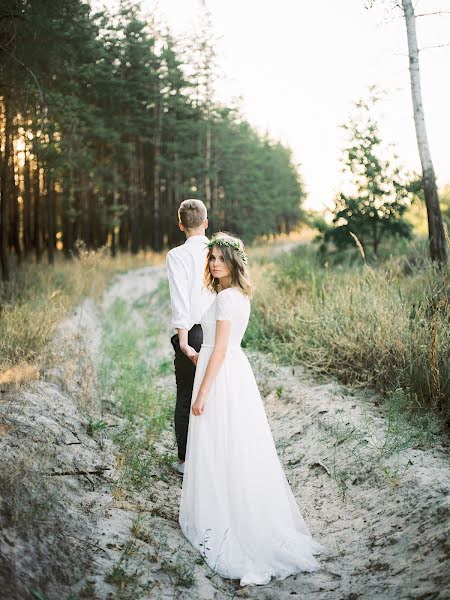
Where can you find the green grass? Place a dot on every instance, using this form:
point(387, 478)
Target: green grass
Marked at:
point(128, 376)
point(126, 574)
point(93, 426)
point(133, 376)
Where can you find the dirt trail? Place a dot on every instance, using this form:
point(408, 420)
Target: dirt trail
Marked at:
point(378, 508)
point(379, 504)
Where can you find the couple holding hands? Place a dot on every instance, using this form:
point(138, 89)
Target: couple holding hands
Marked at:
point(237, 508)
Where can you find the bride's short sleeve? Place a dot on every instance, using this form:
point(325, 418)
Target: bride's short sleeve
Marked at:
point(224, 305)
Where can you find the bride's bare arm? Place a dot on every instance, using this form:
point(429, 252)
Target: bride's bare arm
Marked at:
point(215, 362)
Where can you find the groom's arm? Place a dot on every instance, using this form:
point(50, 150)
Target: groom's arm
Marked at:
point(179, 299)
point(184, 345)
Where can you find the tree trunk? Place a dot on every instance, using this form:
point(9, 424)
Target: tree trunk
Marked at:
point(174, 234)
point(4, 258)
point(124, 219)
point(27, 237)
point(208, 164)
point(113, 223)
point(77, 228)
point(436, 234)
point(15, 210)
point(37, 212)
point(50, 200)
point(84, 209)
point(140, 170)
point(68, 203)
point(93, 215)
point(133, 199)
point(215, 206)
point(375, 240)
point(156, 224)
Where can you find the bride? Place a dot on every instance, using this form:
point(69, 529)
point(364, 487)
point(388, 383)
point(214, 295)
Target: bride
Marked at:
point(237, 507)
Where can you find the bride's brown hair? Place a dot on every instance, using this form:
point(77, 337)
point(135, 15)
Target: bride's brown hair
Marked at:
point(233, 252)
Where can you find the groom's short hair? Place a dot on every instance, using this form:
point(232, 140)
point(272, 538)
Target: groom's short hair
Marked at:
point(192, 213)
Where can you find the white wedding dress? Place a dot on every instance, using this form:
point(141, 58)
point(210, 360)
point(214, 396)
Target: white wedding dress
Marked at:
point(237, 507)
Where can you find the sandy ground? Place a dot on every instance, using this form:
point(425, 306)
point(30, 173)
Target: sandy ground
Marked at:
point(379, 503)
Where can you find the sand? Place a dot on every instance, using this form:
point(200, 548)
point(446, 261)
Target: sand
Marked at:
point(369, 491)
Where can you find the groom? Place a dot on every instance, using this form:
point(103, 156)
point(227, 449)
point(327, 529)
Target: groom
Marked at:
point(189, 300)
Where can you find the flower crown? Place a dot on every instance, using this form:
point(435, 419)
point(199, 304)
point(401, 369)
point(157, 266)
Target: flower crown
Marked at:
point(219, 241)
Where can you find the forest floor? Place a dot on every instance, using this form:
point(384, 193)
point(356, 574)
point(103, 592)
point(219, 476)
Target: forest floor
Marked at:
point(99, 516)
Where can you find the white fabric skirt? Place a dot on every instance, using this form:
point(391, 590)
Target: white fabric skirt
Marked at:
point(237, 507)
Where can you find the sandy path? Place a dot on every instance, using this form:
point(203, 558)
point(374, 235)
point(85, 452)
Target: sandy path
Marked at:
point(369, 491)
point(377, 504)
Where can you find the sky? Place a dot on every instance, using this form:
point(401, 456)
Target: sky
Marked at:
point(299, 66)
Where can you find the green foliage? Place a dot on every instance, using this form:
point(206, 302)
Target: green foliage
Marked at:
point(120, 119)
point(382, 191)
point(261, 185)
point(93, 425)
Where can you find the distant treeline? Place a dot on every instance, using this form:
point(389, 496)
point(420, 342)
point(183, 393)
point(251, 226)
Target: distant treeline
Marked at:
point(107, 124)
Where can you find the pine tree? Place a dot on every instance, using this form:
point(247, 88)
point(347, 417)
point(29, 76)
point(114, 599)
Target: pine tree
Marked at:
point(107, 125)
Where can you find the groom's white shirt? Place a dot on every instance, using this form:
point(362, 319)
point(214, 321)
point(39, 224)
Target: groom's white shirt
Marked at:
point(188, 296)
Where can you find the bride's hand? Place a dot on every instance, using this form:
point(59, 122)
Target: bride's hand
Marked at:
point(199, 406)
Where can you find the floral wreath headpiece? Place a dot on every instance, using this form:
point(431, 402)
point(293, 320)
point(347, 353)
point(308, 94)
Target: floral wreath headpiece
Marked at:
point(219, 241)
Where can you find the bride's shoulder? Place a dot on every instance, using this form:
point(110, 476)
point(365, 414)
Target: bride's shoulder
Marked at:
point(232, 296)
point(231, 304)
point(233, 290)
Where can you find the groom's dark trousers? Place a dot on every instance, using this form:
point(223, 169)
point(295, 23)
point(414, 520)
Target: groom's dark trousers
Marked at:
point(184, 376)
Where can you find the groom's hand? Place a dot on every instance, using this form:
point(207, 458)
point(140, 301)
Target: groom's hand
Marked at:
point(190, 352)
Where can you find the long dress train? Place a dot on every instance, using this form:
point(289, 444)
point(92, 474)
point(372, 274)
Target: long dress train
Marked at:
point(237, 507)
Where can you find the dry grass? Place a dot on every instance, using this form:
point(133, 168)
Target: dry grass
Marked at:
point(38, 297)
point(385, 327)
point(264, 250)
point(19, 374)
